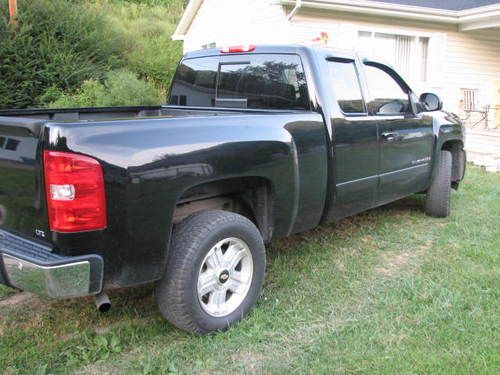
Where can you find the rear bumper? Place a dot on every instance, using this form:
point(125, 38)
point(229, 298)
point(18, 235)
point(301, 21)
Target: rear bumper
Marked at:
point(31, 266)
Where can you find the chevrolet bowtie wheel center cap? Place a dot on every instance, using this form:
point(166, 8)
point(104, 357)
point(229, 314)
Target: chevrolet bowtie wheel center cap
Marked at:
point(224, 276)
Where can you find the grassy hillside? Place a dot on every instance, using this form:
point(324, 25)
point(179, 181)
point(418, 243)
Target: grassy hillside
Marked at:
point(88, 53)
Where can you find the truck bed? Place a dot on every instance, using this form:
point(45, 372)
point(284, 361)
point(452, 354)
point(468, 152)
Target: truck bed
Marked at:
point(91, 113)
point(111, 113)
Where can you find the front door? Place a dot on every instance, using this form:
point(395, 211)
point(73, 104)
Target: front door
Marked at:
point(405, 139)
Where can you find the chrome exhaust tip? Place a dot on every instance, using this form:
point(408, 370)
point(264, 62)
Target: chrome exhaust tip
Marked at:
point(102, 302)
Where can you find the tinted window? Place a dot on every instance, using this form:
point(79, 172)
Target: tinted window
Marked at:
point(12, 144)
point(386, 94)
point(267, 82)
point(346, 86)
point(194, 82)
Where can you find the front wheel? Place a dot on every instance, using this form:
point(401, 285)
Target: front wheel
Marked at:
point(214, 273)
point(438, 195)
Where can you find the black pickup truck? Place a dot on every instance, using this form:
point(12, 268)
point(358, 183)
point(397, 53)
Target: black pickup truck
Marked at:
point(256, 143)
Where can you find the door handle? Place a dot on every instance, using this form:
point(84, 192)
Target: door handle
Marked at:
point(390, 136)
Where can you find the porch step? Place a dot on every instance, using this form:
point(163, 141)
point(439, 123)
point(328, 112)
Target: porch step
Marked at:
point(490, 162)
point(483, 148)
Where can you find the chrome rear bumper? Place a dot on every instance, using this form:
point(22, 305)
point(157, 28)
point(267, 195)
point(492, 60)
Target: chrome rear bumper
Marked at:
point(32, 267)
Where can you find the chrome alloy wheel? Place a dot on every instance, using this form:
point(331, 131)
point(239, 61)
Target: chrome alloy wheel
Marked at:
point(225, 277)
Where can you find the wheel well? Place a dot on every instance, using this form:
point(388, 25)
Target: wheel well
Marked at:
point(458, 159)
point(247, 196)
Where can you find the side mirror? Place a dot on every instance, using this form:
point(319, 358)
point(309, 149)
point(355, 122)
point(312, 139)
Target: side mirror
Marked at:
point(430, 102)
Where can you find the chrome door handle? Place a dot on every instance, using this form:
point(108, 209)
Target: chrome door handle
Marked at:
point(389, 136)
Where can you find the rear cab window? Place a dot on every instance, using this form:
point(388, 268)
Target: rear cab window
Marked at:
point(256, 81)
point(194, 82)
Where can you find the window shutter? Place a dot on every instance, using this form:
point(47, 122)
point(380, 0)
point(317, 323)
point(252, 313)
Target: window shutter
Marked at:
point(403, 54)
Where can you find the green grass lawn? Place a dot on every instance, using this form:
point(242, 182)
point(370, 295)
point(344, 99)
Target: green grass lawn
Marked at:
point(387, 291)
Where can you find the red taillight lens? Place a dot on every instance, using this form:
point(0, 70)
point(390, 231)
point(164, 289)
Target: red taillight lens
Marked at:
point(74, 189)
point(234, 49)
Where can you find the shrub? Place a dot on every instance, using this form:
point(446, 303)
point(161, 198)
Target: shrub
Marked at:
point(120, 88)
point(59, 44)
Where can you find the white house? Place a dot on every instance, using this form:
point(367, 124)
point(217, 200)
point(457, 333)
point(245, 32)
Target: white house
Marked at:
point(451, 47)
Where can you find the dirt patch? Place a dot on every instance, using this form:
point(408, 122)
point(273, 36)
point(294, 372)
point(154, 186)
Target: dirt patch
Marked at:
point(28, 303)
point(17, 299)
point(340, 266)
point(392, 264)
point(251, 362)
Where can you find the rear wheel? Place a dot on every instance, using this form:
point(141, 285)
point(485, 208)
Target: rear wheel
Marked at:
point(214, 273)
point(438, 195)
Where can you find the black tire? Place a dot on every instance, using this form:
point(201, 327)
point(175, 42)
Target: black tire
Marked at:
point(177, 291)
point(437, 203)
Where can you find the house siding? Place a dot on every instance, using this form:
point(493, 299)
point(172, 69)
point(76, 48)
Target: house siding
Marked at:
point(456, 61)
point(235, 22)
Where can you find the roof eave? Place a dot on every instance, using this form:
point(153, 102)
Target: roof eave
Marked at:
point(483, 20)
point(465, 17)
point(186, 19)
point(470, 19)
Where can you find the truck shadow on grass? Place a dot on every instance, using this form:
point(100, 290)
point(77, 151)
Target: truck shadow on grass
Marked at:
point(412, 205)
point(139, 301)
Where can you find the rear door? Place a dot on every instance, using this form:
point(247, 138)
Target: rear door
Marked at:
point(356, 150)
point(405, 139)
point(277, 82)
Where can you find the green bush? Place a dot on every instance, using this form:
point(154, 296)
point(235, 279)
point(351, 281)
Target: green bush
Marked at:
point(59, 43)
point(120, 88)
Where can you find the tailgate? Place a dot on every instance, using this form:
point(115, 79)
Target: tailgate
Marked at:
point(21, 189)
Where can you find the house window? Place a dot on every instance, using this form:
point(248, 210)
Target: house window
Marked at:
point(407, 53)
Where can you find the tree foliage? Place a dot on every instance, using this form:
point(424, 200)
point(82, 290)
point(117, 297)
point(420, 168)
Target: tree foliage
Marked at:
point(63, 46)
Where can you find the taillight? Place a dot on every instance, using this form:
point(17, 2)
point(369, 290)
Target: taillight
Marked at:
point(74, 188)
point(234, 49)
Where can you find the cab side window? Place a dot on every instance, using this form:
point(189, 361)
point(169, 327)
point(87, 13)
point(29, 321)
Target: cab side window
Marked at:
point(346, 85)
point(387, 96)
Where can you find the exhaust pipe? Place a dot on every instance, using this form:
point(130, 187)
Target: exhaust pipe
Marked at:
point(102, 302)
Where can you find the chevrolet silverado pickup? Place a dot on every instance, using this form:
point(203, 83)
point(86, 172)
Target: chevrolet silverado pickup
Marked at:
point(256, 143)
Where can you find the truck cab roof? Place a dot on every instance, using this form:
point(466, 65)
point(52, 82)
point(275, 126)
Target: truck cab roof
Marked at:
point(275, 49)
point(326, 52)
